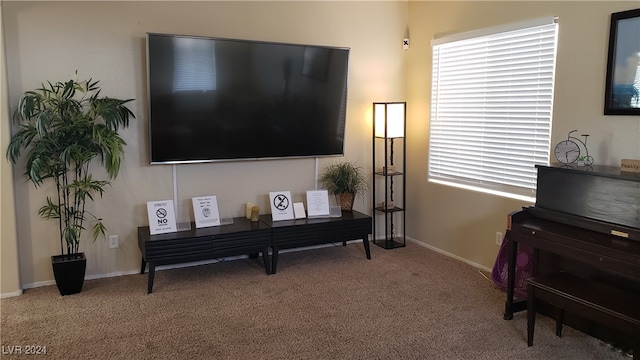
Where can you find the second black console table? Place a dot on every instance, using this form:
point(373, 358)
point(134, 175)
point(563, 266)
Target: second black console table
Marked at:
point(243, 237)
point(297, 233)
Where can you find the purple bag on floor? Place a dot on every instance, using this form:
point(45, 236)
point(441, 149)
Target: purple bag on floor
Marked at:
point(524, 267)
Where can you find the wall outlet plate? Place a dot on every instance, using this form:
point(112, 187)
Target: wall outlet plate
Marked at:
point(113, 241)
point(499, 238)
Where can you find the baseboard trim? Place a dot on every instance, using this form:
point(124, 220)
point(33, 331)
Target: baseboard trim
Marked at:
point(38, 284)
point(108, 275)
point(11, 294)
point(440, 251)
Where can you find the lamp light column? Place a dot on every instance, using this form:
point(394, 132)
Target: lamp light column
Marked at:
point(389, 175)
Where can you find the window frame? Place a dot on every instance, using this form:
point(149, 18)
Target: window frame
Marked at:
point(524, 187)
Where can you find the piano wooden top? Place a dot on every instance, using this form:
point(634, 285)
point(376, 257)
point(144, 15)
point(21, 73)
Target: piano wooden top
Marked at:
point(597, 193)
point(596, 170)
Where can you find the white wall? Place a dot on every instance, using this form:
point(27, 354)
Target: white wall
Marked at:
point(106, 41)
point(464, 223)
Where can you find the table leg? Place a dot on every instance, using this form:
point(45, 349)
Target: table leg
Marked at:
point(143, 267)
point(152, 272)
point(274, 260)
point(267, 262)
point(367, 250)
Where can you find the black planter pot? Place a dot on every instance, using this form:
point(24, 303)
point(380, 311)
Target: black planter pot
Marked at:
point(69, 272)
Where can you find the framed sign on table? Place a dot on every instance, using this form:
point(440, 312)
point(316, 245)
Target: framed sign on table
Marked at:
point(622, 92)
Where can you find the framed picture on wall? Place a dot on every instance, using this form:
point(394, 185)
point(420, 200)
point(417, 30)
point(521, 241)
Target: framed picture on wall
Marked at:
point(622, 92)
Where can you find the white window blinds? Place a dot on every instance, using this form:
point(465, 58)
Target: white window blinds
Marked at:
point(491, 106)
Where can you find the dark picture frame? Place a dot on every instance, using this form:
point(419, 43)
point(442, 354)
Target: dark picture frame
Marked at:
point(622, 92)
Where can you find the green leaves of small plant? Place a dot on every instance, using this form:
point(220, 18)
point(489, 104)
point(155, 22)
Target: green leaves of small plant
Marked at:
point(64, 126)
point(345, 177)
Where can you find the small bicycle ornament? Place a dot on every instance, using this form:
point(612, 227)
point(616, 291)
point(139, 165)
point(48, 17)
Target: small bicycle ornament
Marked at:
point(569, 151)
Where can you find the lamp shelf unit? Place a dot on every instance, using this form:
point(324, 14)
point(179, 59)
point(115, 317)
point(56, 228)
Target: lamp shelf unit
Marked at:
point(390, 210)
point(389, 187)
point(397, 173)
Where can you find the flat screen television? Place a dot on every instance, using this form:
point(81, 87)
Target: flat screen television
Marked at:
point(215, 99)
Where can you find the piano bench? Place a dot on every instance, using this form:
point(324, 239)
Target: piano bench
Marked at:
point(609, 306)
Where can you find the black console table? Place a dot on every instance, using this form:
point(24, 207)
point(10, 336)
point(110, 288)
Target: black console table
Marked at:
point(243, 237)
point(288, 234)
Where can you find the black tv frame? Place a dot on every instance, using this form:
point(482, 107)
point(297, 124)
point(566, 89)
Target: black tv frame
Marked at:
point(312, 73)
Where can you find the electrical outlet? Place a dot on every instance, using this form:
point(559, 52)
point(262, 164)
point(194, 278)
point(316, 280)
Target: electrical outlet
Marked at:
point(113, 241)
point(498, 238)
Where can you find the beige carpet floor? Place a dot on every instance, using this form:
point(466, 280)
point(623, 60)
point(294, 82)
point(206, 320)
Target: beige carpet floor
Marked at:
point(328, 303)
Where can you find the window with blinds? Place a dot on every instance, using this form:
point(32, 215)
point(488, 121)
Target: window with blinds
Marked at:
point(491, 107)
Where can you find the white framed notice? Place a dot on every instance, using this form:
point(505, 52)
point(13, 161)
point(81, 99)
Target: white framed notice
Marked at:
point(205, 211)
point(162, 217)
point(298, 210)
point(318, 203)
point(281, 205)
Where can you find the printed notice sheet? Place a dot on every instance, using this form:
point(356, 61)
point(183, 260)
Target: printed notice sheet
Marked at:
point(281, 205)
point(162, 218)
point(205, 211)
point(318, 203)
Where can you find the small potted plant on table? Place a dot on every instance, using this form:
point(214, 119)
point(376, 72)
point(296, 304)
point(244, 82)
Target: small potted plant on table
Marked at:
point(345, 179)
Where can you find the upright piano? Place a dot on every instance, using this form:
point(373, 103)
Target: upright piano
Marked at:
point(586, 221)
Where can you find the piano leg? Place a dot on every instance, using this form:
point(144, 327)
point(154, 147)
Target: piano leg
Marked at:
point(559, 321)
point(531, 314)
point(511, 278)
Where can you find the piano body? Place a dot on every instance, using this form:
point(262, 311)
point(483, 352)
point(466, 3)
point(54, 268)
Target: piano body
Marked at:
point(586, 221)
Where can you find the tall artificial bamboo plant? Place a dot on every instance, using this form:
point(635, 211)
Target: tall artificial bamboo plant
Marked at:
point(63, 127)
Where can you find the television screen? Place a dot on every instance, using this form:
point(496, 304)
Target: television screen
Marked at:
point(214, 99)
